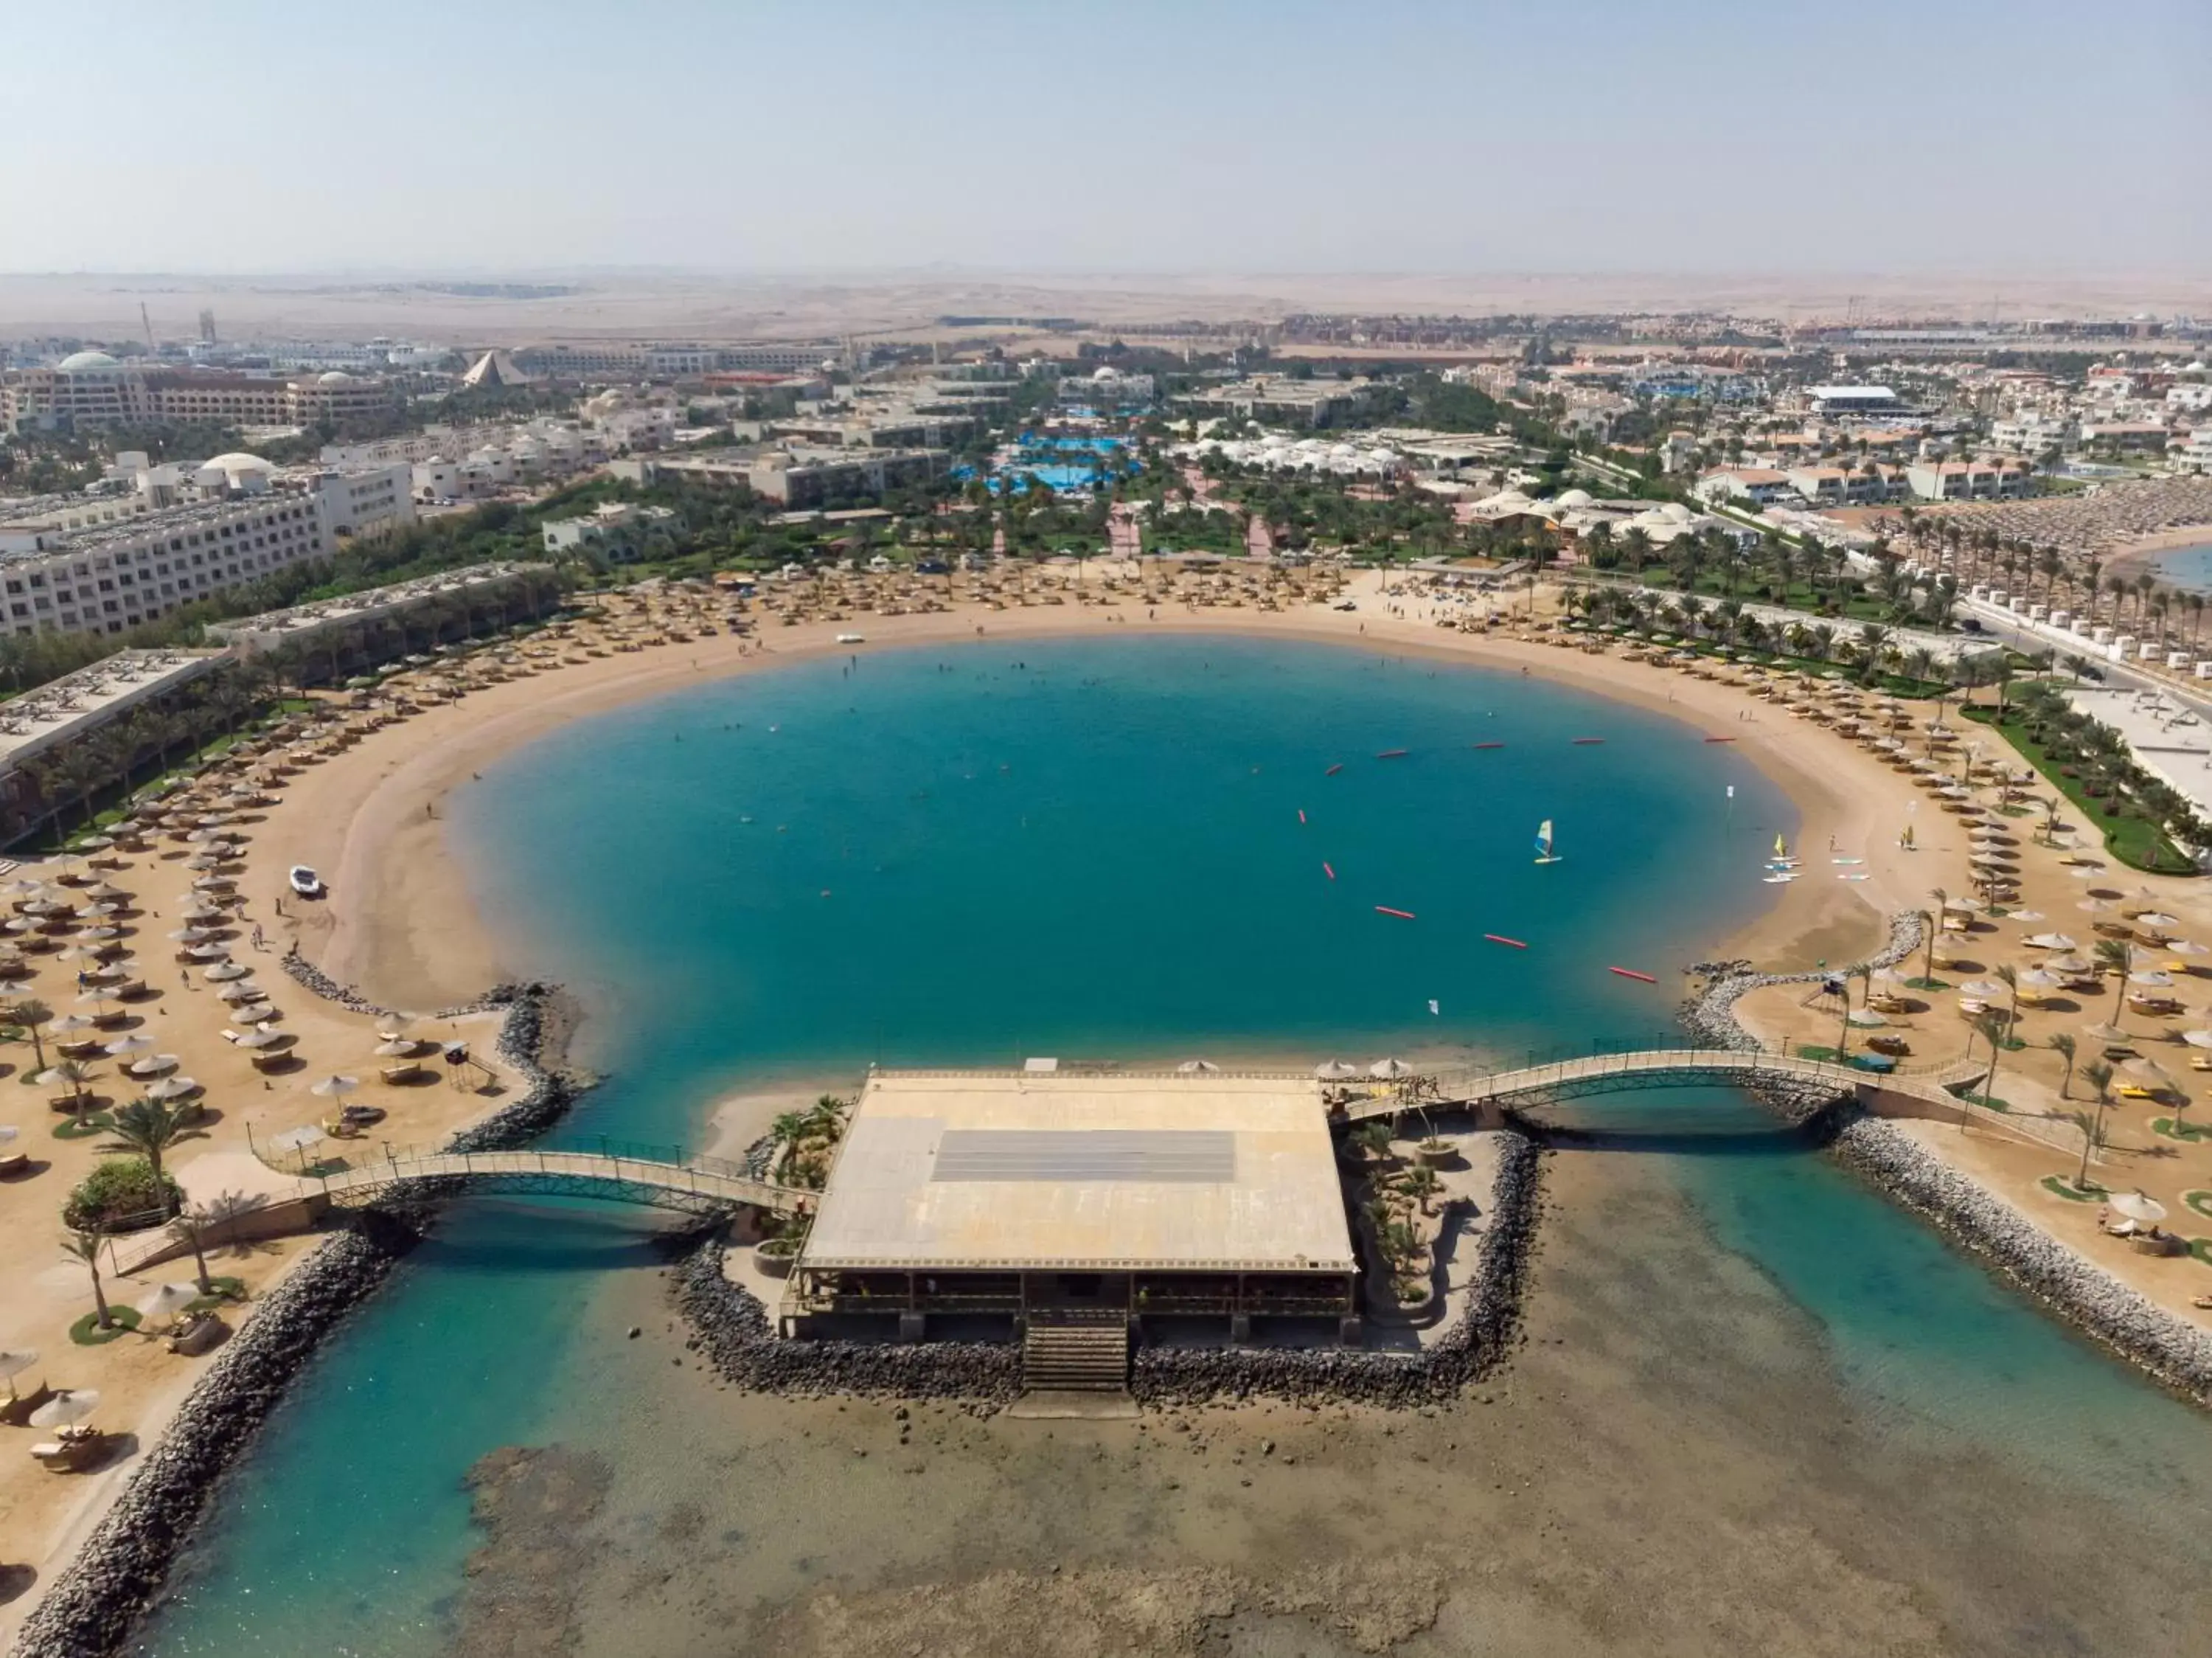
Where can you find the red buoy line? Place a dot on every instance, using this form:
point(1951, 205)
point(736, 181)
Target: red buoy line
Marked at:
point(1330, 869)
point(1500, 938)
point(1302, 814)
point(1391, 754)
point(1334, 770)
point(1402, 915)
point(1584, 742)
point(1720, 740)
point(1630, 973)
point(1488, 745)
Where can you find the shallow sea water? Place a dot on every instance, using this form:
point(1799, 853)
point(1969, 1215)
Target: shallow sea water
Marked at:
point(1759, 1403)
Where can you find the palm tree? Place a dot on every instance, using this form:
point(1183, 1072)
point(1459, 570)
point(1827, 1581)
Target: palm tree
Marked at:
point(2063, 1044)
point(2093, 1130)
point(1991, 1028)
point(2049, 804)
point(2009, 975)
point(1929, 924)
point(150, 1127)
point(30, 1014)
point(1420, 1184)
point(1373, 1139)
point(82, 1244)
point(2118, 955)
point(74, 1072)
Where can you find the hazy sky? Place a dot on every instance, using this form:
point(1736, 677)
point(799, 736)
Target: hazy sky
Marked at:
point(1240, 136)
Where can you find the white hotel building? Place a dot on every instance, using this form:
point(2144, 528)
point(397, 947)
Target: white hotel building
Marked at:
point(113, 577)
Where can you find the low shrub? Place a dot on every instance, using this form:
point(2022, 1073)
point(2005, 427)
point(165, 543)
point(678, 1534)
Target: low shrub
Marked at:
point(121, 1195)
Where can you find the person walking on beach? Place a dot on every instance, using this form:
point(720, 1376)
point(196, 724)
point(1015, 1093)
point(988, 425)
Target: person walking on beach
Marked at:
point(257, 943)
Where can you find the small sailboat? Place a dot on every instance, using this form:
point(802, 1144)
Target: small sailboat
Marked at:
point(1781, 860)
point(1544, 852)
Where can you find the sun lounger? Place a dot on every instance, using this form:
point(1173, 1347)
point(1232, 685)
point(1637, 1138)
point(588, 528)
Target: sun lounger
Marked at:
point(407, 1070)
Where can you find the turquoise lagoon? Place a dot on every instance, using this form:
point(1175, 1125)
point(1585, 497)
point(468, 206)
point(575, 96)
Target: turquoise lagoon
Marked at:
point(1089, 849)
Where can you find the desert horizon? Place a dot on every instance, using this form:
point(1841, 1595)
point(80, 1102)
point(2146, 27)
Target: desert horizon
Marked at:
point(603, 304)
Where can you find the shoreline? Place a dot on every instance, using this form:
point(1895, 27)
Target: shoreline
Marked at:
point(404, 922)
point(2147, 553)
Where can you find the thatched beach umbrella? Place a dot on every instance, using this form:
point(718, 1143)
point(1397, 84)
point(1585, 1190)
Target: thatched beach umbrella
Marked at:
point(68, 1406)
point(1335, 1071)
point(168, 1300)
point(1389, 1070)
point(172, 1088)
point(2136, 1207)
point(13, 1361)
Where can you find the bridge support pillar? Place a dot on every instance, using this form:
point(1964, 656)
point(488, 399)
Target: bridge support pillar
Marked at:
point(1349, 1331)
point(914, 1326)
point(1240, 1328)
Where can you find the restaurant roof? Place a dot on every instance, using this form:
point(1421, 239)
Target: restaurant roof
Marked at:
point(1012, 1170)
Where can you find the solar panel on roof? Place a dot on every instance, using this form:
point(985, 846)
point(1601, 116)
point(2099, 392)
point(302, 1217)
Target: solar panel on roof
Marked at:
point(1166, 1157)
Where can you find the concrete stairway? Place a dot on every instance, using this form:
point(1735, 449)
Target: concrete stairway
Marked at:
point(1076, 1352)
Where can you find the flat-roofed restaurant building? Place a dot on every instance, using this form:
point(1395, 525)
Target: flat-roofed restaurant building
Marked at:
point(1014, 1194)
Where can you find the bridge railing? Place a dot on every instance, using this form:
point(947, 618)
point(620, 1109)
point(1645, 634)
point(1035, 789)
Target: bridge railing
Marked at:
point(332, 1157)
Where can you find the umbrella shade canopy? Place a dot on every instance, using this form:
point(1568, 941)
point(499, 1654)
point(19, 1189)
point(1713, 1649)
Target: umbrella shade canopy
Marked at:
point(172, 1087)
point(2136, 1207)
point(2027, 915)
point(2198, 1039)
point(2072, 964)
point(1866, 1016)
point(1333, 1070)
point(1389, 1068)
point(400, 1048)
point(1959, 906)
point(168, 1301)
point(2151, 975)
point(191, 935)
point(1982, 987)
point(131, 1044)
point(2052, 941)
point(331, 1086)
point(2157, 918)
point(1187, 1068)
point(2038, 978)
point(69, 1023)
point(296, 1139)
point(255, 1013)
point(256, 1039)
point(13, 1361)
point(2105, 1032)
point(222, 972)
point(67, 1407)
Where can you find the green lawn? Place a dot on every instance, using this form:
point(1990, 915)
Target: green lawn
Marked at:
point(2059, 1186)
point(2131, 837)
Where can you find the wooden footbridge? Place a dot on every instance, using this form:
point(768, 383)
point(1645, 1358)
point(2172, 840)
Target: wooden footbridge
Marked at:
point(1535, 1086)
point(695, 1185)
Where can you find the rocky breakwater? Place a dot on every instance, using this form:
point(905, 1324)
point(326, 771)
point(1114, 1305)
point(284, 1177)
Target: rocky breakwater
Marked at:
point(730, 1327)
point(2175, 1351)
point(90, 1607)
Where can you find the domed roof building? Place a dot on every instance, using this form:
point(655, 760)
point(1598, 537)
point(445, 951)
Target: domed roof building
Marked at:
point(87, 362)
